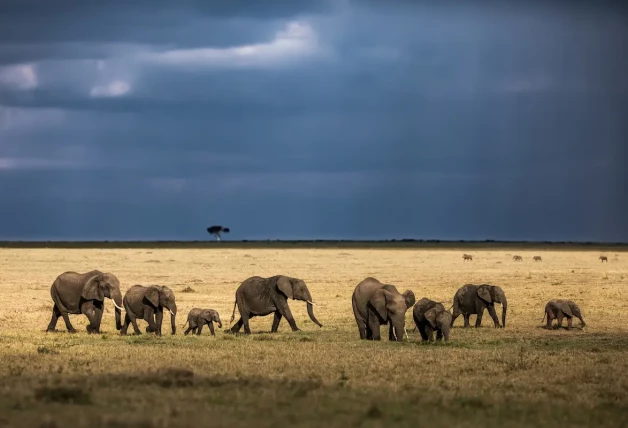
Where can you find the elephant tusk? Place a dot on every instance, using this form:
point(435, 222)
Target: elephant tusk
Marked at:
point(311, 303)
point(114, 304)
point(171, 312)
point(394, 334)
point(406, 332)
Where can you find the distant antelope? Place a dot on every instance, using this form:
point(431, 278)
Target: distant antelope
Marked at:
point(466, 257)
point(517, 258)
point(604, 259)
point(537, 258)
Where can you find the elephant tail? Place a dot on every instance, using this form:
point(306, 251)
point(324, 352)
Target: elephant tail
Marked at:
point(186, 323)
point(544, 315)
point(233, 313)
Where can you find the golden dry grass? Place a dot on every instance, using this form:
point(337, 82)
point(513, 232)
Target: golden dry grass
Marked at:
point(518, 376)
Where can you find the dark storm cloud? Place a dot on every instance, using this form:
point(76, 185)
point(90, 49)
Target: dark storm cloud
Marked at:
point(416, 120)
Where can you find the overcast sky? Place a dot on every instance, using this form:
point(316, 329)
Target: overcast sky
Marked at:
point(313, 119)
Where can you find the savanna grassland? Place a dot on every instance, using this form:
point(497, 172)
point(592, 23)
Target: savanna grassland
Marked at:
point(518, 376)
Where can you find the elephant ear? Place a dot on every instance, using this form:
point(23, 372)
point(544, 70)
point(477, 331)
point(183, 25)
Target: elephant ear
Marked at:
point(207, 316)
point(484, 294)
point(431, 315)
point(285, 286)
point(92, 289)
point(409, 297)
point(378, 301)
point(152, 295)
point(564, 306)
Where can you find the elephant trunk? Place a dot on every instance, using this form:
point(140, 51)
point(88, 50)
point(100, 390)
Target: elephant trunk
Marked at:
point(219, 324)
point(173, 316)
point(399, 332)
point(310, 312)
point(504, 309)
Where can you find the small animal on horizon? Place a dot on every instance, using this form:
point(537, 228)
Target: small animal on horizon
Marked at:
point(604, 259)
point(466, 257)
point(537, 258)
point(517, 258)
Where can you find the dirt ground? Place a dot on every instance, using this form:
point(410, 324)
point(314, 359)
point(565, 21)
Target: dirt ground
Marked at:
point(522, 375)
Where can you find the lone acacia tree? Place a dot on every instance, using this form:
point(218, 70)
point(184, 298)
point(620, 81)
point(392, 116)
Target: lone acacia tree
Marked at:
point(217, 230)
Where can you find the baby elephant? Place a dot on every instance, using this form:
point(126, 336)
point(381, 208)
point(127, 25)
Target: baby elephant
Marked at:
point(197, 318)
point(429, 316)
point(557, 309)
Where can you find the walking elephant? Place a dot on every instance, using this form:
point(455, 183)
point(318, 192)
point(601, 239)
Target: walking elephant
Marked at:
point(148, 303)
point(197, 318)
point(84, 293)
point(258, 297)
point(559, 309)
point(375, 304)
point(428, 316)
point(474, 299)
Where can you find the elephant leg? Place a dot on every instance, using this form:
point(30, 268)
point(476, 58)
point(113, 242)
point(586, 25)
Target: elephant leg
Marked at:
point(125, 325)
point(439, 335)
point(429, 331)
point(391, 334)
point(91, 312)
point(359, 320)
point(149, 317)
point(374, 327)
point(186, 332)
point(368, 332)
point(276, 321)
point(237, 326)
point(569, 323)
point(159, 317)
point(56, 313)
point(493, 314)
point(68, 324)
point(478, 318)
point(284, 310)
point(550, 318)
point(466, 320)
point(423, 331)
point(211, 328)
point(245, 322)
point(559, 317)
point(133, 320)
point(199, 329)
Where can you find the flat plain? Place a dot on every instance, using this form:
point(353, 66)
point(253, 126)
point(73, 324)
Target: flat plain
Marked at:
point(522, 375)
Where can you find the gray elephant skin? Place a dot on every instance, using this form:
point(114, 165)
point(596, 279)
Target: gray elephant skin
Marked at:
point(198, 317)
point(430, 316)
point(148, 303)
point(257, 297)
point(473, 299)
point(376, 304)
point(559, 309)
point(84, 293)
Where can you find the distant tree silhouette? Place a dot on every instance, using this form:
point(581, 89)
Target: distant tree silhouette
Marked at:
point(217, 230)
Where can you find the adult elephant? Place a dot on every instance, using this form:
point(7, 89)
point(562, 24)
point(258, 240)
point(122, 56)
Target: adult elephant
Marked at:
point(258, 297)
point(84, 293)
point(375, 304)
point(148, 303)
point(474, 299)
point(428, 316)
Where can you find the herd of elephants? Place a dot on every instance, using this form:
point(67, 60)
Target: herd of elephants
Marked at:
point(374, 304)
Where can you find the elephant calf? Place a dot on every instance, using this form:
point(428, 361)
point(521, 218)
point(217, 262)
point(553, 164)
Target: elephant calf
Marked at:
point(559, 309)
point(197, 318)
point(429, 316)
point(148, 303)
